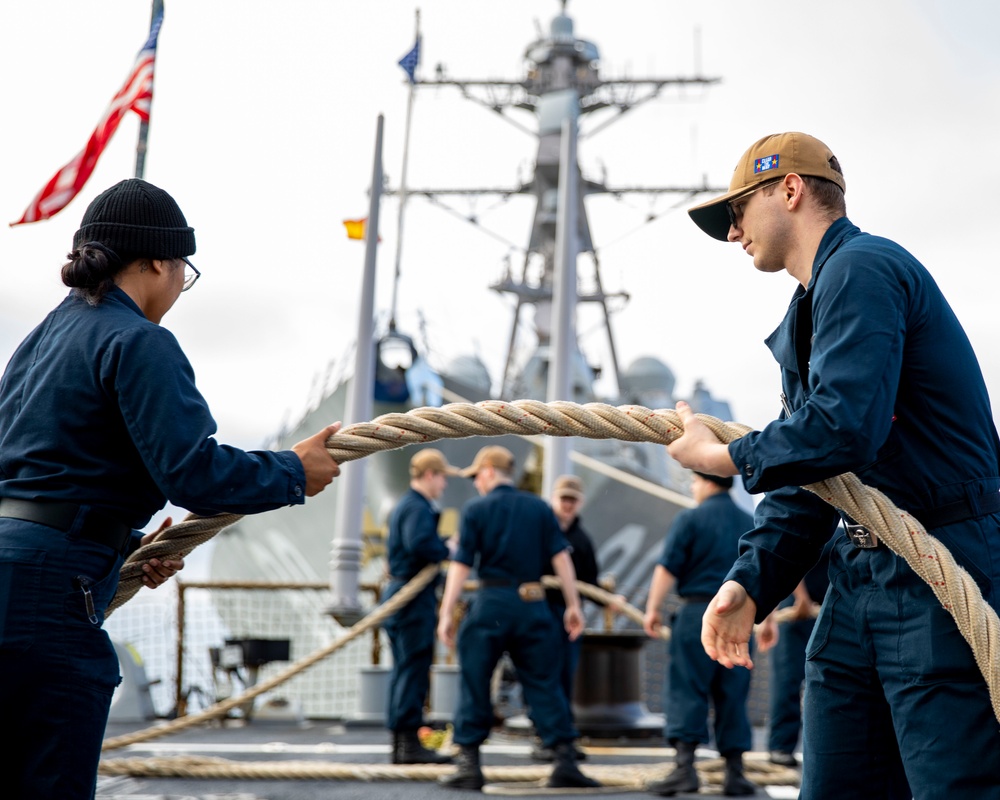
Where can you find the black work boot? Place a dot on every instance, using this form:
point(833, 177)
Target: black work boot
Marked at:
point(735, 784)
point(566, 773)
point(407, 749)
point(547, 755)
point(540, 752)
point(684, 777)
point(468, 775)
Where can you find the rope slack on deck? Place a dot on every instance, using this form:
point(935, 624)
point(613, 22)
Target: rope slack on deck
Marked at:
point(901, 532)
point(506, 780)
point(509, 780)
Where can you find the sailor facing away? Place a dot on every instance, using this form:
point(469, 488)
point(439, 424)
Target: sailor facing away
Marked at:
point(698, 552)
point(413, 544)
point(508, 536)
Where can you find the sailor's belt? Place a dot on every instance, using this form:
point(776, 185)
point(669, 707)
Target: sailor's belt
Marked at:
point(531, 592)
point(930, 518)
point(95, 526)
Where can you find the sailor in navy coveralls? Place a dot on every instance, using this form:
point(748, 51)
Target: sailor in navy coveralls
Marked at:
point(879, 379)
point(508, 536)
point(100, 424)
point(413, 544)
point(698, 552)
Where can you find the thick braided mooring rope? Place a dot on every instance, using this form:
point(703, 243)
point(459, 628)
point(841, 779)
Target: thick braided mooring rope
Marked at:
point(904, 535)
point(502, 779)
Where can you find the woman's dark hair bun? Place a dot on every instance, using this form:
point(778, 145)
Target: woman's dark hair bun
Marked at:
point(91, 270)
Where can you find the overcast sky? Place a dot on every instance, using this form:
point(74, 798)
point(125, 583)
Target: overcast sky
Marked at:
point(263, 129)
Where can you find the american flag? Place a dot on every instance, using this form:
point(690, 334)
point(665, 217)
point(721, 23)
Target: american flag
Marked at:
point(136, 95)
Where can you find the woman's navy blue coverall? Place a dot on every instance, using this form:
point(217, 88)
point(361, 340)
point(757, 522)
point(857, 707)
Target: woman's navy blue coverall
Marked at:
point(883, 382)
point(413, 544)
point(508, 536)
point(98, 408)
point(700, 548)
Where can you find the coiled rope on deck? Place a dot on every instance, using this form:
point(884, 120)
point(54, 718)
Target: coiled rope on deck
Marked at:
point(900, 531)
point(499, 777)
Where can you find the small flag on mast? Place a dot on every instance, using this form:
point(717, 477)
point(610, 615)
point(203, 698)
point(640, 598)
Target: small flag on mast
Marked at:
point(410, 61)
point(135, 95)
point(358, 228)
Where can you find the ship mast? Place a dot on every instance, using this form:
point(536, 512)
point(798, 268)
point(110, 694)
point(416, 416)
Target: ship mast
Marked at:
point(562, 81)
point(562, 84)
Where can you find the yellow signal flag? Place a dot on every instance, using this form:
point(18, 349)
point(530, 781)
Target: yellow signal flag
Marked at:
point(356, 228)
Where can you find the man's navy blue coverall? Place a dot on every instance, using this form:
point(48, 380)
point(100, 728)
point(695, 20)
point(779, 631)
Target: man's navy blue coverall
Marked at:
point(509, 536)
point(882, 381)
point(98, 407)
point(413, 544)
point(788, 663)
point(699, 550)
point(585, 566)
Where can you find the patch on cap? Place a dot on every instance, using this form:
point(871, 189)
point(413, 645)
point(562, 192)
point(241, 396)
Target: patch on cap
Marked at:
point(765, 163)
point(766, 160)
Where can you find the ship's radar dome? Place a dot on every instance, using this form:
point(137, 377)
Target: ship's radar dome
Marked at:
point(471, 371)
point(648, 376)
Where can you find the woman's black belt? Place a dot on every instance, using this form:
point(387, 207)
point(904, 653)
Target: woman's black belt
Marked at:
point(96, 527)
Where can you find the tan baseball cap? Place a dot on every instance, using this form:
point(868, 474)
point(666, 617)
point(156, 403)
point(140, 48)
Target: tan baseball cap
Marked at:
point(568, 486)
point(430, 459)
point(772, 157)
point(493, 456)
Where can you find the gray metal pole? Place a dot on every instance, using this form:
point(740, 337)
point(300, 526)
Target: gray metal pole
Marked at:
point(143, 139)
point(345, 552)
point(562, 348)
point(403, 196)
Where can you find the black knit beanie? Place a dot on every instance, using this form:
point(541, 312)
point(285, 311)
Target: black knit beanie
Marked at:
point(136, 218)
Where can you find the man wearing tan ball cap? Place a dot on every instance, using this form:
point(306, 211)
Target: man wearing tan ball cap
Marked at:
point(413, 544)
point(433, 460)
point(509, 536)
point(878, 379)
point(765, 163)
point(493, 456)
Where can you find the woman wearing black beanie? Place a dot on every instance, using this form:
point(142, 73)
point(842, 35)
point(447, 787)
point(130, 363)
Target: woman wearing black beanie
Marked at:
point(100, 424)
